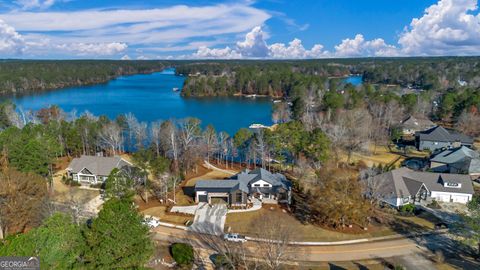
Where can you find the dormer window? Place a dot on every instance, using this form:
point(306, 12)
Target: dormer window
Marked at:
point(452, 185)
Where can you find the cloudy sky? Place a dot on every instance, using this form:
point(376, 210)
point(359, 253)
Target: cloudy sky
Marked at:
point(273, 29)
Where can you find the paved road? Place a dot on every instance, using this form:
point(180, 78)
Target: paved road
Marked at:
point(372, 250)
point(209, 219)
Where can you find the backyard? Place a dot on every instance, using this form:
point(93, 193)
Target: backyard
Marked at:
point(383, 155)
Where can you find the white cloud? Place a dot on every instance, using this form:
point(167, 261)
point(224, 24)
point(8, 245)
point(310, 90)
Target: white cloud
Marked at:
point(225, 53)
point(359, 47)
point(125, 57)
point(31, 4)
point(159, 26)
point(254, 44)
point(295, 50)
point(95, 49)
point(11, 42)
point(450, 27)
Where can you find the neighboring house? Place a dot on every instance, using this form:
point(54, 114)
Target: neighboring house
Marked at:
point(94, 169)
point(403, 186)
point(461, 160)
point(438, 138)
point(411, 125)
point(237, 190)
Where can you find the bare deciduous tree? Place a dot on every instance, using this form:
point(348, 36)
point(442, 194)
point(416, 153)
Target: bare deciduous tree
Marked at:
point(469, 123)
point(276, 236)
point(22, 199)
point(156, 135)
point(111, 137)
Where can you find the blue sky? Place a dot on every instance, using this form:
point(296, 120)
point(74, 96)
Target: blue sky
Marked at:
point(278, 29)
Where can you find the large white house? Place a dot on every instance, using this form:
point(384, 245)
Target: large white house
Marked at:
point(403, 186)
point(94, 169)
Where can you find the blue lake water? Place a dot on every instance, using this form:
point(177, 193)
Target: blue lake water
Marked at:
point(150, 98)
point(354, 79)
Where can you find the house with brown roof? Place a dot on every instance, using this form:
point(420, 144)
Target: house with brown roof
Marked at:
point(411, 125)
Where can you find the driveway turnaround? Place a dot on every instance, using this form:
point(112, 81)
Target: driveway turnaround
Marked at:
point(209, 219)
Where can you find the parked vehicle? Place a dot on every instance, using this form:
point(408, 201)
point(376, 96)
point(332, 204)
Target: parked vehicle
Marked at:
point(235, 237)
point(151, 222)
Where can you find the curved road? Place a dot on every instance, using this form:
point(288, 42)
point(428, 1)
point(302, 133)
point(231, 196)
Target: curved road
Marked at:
point(360, 251)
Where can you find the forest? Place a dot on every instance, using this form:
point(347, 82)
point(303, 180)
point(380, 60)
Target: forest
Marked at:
point(19, 77)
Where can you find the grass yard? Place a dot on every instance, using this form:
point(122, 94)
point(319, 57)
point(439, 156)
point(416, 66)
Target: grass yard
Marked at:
point(242, 223)
point(211, 175)
point(160, 212)
point(382, 156)
point(63, 193)
point(424, 220)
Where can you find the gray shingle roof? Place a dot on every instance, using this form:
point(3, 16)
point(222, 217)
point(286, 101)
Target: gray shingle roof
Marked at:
point(243, 180)
point(440, 134)
point(467, 165)
point(216, 184)
point(97, 165)
point(455, 155)
point(404, 182)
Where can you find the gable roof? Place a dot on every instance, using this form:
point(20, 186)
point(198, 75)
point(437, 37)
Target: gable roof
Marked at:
point(97, 165)
point(224, 184)
point(467, 165)
point(454, 155)
point(417, 124)
point(404, 182)
point(440, 134)
point(245, 178)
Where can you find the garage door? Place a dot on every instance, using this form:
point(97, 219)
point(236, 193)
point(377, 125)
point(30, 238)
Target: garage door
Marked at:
point(202, 198)
point(443, 198)
point(460, 198)
point(218, 200)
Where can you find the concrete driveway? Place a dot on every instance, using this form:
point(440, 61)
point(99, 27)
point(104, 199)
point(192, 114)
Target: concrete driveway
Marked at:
point(209, 219)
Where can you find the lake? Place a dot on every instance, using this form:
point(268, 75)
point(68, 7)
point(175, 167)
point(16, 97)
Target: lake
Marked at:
point(355, 80)
point(150, 97)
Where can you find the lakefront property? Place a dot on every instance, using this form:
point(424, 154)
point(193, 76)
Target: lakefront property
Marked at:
point(243, 187)
point(90, 170)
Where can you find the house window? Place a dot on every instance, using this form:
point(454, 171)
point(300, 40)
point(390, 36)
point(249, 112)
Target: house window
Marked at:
point(256, 185)
point(266, 185)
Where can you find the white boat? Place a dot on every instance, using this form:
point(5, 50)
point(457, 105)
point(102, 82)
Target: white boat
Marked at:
point(257, 126)
point(277, 101)
point(175, 89)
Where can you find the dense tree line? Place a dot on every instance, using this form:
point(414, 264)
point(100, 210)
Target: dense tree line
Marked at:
point(26, 76)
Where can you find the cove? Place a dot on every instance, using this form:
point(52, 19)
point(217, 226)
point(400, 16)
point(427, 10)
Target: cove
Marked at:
point(150, 98)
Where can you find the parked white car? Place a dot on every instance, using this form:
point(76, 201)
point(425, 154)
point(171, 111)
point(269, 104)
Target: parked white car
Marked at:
point(151, 222)
point(235, 237)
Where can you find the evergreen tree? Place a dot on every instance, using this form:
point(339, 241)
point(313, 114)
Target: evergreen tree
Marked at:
point(117, 238)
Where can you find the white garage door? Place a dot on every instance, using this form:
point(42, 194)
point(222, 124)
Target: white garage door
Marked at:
point(443, 198)
point(460, 198)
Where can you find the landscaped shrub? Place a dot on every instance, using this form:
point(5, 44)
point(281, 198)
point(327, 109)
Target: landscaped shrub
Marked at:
point(69, 181)
point(434, 205)
point(182, 253)
point(407, 209)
